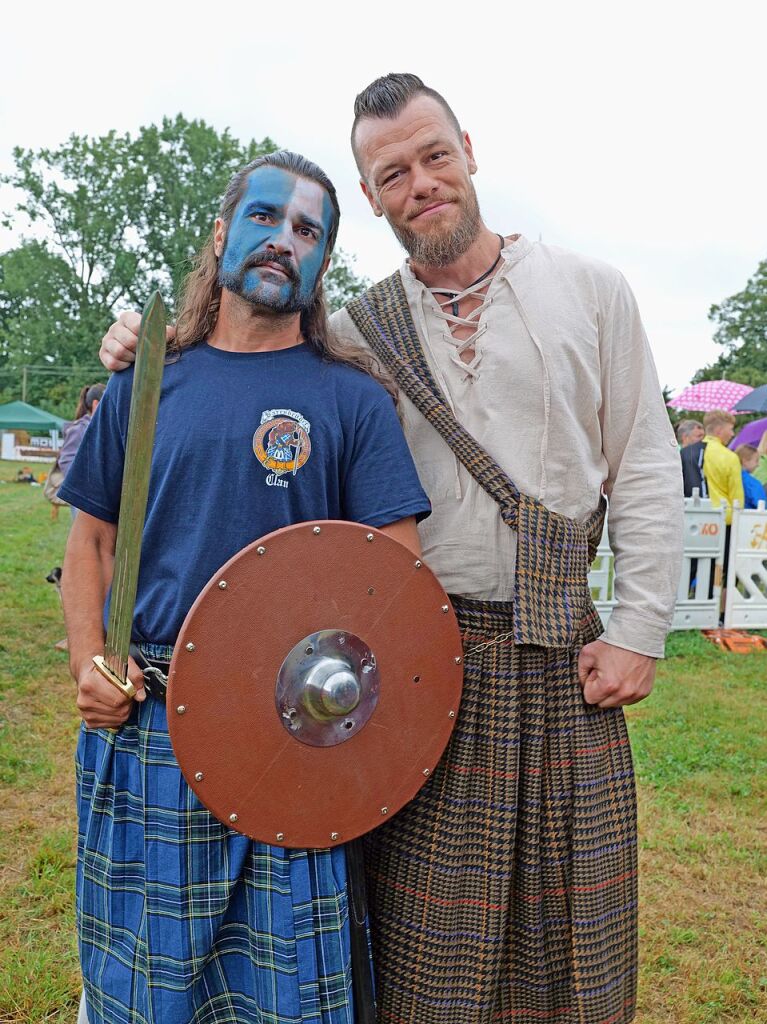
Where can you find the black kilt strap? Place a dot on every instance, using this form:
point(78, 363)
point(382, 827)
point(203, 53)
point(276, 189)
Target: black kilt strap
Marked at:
point(552, 599)
point(155, 672)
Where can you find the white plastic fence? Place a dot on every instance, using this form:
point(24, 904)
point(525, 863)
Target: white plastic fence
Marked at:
point(699, 592)
point(746, 606)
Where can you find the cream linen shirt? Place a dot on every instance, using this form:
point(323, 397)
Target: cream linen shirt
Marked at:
point(563, 394)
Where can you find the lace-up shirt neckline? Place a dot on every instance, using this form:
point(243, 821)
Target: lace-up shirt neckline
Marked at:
point(463, 329)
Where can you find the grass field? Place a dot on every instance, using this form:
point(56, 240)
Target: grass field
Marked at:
point(700, 744)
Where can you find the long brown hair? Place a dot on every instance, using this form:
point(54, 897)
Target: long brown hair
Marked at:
point(200, 298)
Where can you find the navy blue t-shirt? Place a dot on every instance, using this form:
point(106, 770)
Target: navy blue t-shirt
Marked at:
point(246, 443)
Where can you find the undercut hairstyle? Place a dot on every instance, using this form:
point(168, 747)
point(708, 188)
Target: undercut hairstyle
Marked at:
point(717, 418)
point(685, 428)
point(200, 298)
point(387, 97)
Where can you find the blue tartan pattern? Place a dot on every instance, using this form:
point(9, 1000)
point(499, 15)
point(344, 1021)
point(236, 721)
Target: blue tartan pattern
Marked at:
point(184, 921)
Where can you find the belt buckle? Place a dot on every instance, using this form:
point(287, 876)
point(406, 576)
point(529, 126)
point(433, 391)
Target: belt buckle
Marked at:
point(155, 682)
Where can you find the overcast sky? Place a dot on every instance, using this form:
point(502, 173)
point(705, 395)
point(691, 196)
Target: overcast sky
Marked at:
point(634, 132)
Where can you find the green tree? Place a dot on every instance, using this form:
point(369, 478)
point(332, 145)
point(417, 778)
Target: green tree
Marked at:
point(741, 330)
point(186, 166)
point(341, 282)
point(104, 222)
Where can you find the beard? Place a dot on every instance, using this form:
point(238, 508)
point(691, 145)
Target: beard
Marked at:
point(440, 246)
point(262, 296)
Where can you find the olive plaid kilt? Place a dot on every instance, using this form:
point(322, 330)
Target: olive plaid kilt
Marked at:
point(184, 921)
point(507, 889)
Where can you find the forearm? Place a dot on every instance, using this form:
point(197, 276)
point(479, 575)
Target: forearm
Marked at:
point(406, 532)
point(644, 485)
point(85, 580)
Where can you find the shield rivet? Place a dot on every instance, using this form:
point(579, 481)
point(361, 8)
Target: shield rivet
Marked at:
point(458, 661)
point(369, 536)
point(445, 608)
point(451, 714)
point(222, 584)
point(416, 679)
point(190, 647)
point(280, 836)
point(384, 810)
point(199, 776)
point(334, 836)
point(418, 564)
point(371, 591)
point(181, 709)
point(427, 771)
point(309, 649)
point(316, 530)
point(233, 818)
point(260, 551)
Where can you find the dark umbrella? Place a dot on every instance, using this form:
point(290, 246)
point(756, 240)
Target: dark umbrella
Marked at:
point(754, 401)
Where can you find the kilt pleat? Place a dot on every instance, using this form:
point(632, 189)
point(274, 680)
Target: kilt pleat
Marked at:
point(184, 921)
point(507, 890)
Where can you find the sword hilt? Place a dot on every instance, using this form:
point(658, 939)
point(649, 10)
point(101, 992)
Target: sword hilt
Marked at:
point(125, 686)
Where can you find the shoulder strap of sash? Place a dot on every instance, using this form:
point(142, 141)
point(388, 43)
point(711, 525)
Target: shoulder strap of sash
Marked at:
point(382, 316)
point(552, 601)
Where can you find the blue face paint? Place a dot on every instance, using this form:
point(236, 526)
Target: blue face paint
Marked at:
point(283, 218)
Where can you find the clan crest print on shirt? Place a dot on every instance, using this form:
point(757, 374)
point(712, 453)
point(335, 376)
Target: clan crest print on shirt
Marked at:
point(281, 444)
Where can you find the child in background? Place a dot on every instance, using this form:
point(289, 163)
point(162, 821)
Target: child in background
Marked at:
point(753, 490)
point(761, 470)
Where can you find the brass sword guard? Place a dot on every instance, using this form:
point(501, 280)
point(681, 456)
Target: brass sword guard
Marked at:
point(125, 686)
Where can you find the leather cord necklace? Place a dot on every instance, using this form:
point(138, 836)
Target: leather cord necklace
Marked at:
point(480, 279)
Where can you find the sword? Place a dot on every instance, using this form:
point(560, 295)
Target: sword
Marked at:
point(145, 397)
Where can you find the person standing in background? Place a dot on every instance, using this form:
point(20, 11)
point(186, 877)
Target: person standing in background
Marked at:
point(689, 432)
point(761, 469)
point(90, 396)
point(753, 489)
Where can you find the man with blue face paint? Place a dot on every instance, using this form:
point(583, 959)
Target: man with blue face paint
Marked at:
point(262, 423)
point(250, 265)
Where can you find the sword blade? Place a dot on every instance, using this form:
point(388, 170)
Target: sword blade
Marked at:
point(145, 397)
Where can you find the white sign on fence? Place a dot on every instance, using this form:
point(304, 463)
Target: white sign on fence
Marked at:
point(700, 582)
point(699, 593)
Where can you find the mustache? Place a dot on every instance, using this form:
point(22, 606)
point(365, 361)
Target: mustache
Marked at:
point(431, 201)
point(260, 258)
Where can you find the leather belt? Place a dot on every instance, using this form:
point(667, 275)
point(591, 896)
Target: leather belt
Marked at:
point(155, 671)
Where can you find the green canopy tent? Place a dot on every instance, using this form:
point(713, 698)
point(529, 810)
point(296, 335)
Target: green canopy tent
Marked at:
point(22, 416)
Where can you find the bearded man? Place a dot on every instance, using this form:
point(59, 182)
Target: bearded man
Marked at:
point(180, 918)
point(507, 890)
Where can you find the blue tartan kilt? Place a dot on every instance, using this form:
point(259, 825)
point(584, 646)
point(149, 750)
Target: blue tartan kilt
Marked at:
point(180, 919)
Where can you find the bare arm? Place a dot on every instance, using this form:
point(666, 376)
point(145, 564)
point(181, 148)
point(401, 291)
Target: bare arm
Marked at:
point(406, 532)
point(118, 346)
point(85, 580)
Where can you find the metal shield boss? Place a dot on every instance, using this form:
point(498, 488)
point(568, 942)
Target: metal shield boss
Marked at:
point(314, 684)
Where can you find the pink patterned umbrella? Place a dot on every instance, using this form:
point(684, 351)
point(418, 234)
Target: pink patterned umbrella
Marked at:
point(710, 394)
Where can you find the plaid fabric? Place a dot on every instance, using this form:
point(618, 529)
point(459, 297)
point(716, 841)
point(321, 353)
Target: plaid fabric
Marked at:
point(552, 600)
point(183, 921)
point(506, 890)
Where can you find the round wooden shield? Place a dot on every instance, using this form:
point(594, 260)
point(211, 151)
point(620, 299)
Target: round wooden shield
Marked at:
point(314, 684)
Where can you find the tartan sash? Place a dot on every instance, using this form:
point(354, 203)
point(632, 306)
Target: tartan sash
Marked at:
point(552, 605)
